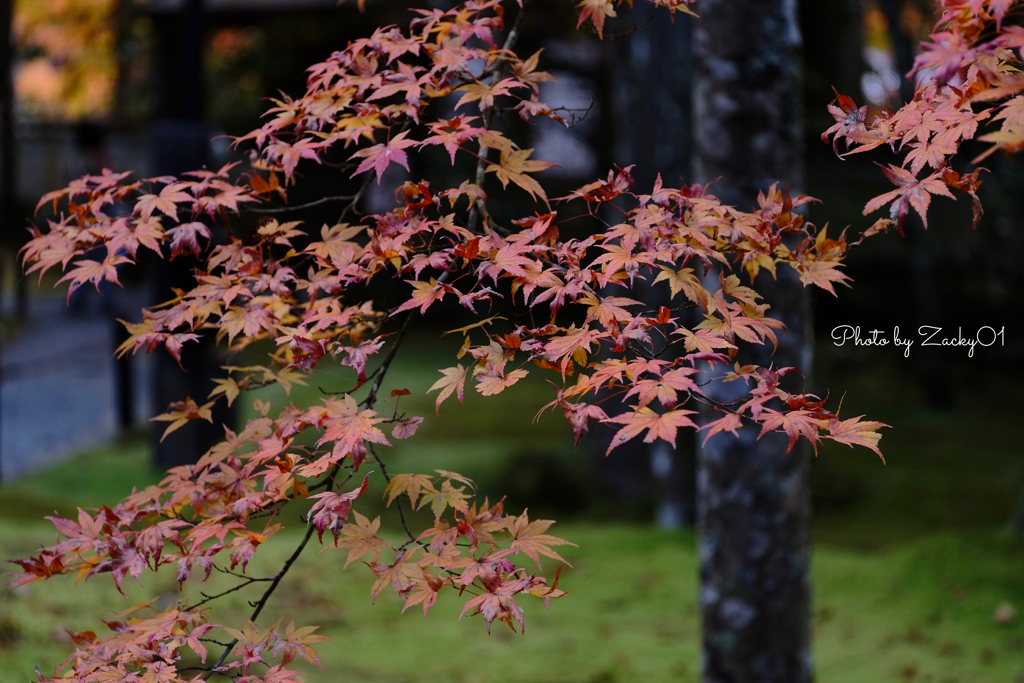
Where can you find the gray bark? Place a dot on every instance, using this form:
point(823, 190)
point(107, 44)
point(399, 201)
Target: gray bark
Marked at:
point(753, 502)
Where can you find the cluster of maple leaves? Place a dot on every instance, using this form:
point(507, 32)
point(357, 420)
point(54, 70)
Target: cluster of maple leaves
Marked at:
point(438, 83)
point(967, 74)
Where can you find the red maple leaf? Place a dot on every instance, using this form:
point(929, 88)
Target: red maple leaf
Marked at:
point(379, 157)
point(911, 193)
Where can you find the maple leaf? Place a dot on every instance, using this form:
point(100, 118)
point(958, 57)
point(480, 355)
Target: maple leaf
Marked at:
point(331, 509)
point(526, 71)
point(279, 233)
point(495, 380)
point(455, 476)
point(968, 183)
point(579, 414)
point(854, 432)
point(250, 639)
point(424, 294)
point(399, 575)
point(94, 272)
point(181, 413)
point(663, 388)
point(662, 426)
point(380, 156)
point(228, 387)
point(911, 193)
point(245, 546)
point(498, 603)
point(849, 119)
point(703, 341)
point(43, 567)
point(347, 425)
point(146, 233)
point(454, 380)
point(423, 591)
point(250, 321)
point(597, 11)
point(508, 259)
point(515, 165)
point(296, 642)
point(452, 133)
point(360, 538)
point(795, 423)
point(684, 281)
point(572, 343)
point(730, 422)
point(406, 428)
point(822, 274)
point(166, 202)
point(289, 155)
point(185, 239)
point(443, 498)
point(410, 484)
point(529, 538)
point(619, 259)
point(486, 92)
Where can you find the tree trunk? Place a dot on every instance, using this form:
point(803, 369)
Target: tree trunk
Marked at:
point(1017, 518)
point(180, 141)
point(651, 92)
point(752, 495)
point(7, 228)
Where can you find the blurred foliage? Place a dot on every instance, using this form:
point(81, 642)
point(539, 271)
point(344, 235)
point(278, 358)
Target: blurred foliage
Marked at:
point(66, 58)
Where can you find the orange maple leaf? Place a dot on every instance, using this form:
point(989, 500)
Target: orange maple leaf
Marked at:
point(515, 165)
point(662, 426)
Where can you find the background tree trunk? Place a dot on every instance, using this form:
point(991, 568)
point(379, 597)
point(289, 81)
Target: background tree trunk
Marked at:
point(1017, 518)
point(7, 226)
point(753, 502)
point(180, 142)
point(651, 87)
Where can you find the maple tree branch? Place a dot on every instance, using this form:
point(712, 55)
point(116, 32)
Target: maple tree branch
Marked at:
point(385, 364)
point(368, 402)
point(308, 205)
point(353, 389)
point(626, 32)
point(211, 598)
point(355, 200)
point(642, 352)
point(261, 603)
point(209, 640)
point(401, 510)
point(241, 576)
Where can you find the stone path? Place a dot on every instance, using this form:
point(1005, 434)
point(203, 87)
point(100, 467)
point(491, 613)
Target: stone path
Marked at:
point(58, 394)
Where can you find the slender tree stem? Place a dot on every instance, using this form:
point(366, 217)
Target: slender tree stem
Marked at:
point(309, 205)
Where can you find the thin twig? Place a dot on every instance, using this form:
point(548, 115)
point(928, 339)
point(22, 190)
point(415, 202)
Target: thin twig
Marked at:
point(371, 398)
point(309, 205)
point(211, 598)
point(481, 165)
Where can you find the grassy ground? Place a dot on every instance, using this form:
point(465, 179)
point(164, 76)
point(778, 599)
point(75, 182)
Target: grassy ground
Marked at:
point(909, 564)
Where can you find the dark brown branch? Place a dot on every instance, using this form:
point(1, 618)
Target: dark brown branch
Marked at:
point(211, 598)
point(309, 205)
point(355, 200)
point(371, 398)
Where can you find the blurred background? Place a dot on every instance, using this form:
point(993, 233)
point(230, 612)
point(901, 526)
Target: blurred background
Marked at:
point(918, 564)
